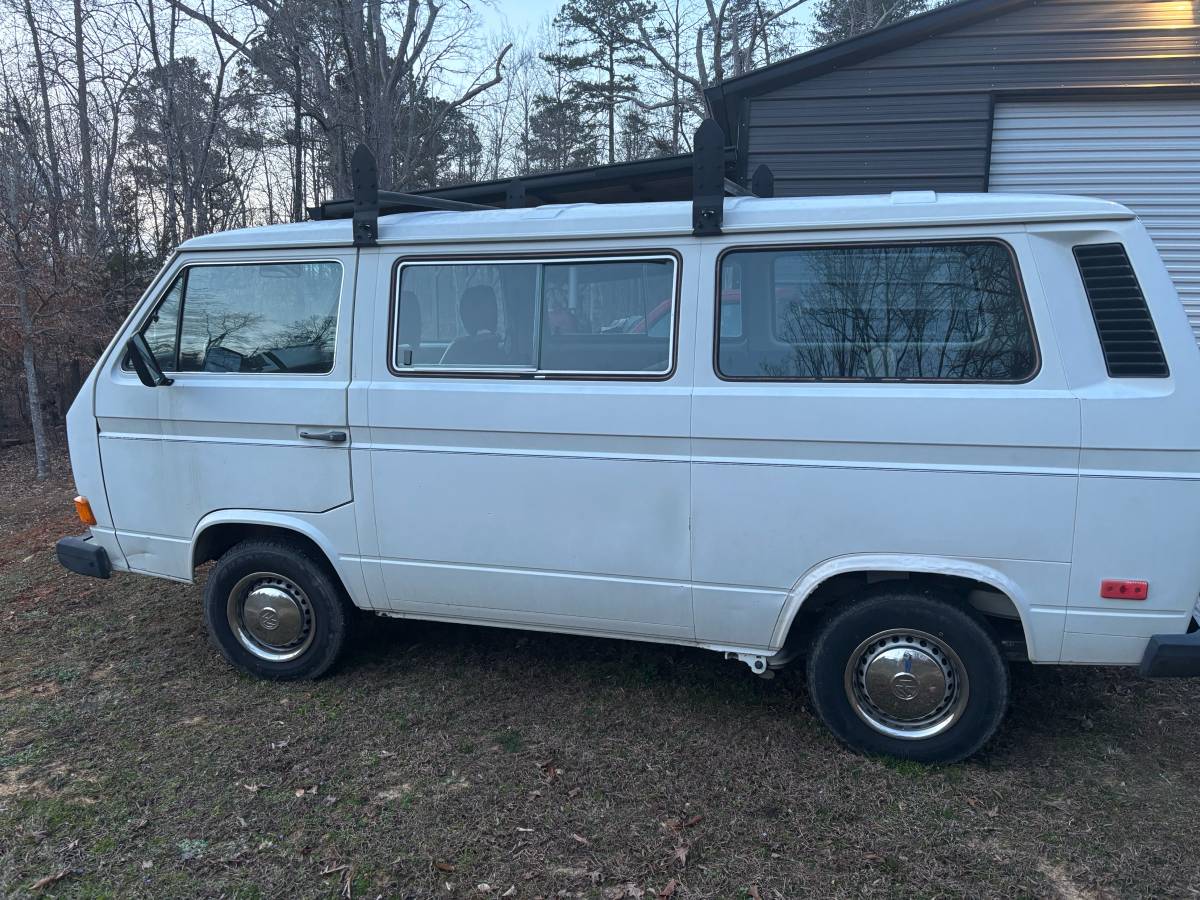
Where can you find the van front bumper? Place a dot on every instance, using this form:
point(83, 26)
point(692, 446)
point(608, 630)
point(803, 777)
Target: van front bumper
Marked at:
point(1172, 656)
point(82, 555)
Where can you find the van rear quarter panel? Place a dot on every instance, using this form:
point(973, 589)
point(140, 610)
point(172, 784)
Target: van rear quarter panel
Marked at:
point(1139, 489)
point(792, 477)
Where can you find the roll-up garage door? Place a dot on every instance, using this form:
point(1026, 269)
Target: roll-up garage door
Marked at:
point(1144, 154)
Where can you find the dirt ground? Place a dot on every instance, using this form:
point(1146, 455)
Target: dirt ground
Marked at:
point(445, 761)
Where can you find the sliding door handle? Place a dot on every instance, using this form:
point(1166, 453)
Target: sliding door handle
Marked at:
point(334, 437)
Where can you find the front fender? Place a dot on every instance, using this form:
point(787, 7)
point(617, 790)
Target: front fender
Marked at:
point(323, 529)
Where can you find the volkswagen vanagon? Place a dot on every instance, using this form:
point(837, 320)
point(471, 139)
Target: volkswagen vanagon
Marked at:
point(903, 439)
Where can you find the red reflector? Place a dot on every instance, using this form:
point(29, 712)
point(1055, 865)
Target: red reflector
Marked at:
point(1114, 589)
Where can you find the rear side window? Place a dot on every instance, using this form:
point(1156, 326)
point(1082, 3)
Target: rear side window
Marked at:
point(888, 312)
point(277, 318)
point(570, 316)
point(1123, 323)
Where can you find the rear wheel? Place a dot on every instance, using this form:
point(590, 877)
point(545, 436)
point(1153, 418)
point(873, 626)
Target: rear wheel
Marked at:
point(275, 612)
point(909, 674)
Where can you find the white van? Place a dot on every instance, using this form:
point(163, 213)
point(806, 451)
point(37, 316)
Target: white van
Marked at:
point(903, 438)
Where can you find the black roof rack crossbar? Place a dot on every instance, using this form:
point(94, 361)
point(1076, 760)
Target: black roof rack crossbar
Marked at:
point(709, 188)
point(369, 203)
point(392, 202)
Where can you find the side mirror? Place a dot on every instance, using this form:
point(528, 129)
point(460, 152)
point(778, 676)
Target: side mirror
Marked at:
point(142, 358)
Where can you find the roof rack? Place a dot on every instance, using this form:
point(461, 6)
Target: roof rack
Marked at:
point(710, 186)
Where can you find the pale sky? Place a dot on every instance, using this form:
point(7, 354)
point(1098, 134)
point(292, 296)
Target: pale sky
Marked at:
point(527, 15)
point(519, 15)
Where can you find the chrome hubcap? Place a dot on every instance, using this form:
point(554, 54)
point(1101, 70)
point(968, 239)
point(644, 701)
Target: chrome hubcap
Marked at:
point(271, 616)
point(906, 684)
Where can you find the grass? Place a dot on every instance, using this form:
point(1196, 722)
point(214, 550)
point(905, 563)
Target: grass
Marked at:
point(445, 761)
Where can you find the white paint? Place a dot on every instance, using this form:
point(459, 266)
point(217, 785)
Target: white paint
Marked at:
point(743, 215)
point(688, 510)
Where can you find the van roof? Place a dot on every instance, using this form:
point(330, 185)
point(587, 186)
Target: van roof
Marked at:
point(743, 215)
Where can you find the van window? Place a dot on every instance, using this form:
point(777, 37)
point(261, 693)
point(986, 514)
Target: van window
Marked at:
point(278, 318)
point(578, 316)
point(915, 312)
point(162, 330)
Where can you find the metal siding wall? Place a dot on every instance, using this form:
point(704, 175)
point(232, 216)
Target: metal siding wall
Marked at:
point(921, 114)
point(1144, 154)
point(867, 146)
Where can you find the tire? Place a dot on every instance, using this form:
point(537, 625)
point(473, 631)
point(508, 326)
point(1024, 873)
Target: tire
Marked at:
point(275, 612)
point(908, 674)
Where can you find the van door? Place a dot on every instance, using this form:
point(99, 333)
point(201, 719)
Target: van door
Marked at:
point(529, 441)
point(258, 348)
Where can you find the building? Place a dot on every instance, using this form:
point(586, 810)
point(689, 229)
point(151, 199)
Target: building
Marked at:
point(1095, 97)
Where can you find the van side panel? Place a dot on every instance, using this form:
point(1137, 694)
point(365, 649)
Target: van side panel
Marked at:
point(549, 503)
point(1139, 493)
point(788, 476)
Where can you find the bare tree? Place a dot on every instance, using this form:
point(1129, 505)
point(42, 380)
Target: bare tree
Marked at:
point(387, 66)
point(728, 39)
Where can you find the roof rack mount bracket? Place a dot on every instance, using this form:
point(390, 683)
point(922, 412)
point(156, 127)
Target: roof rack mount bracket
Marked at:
point(365, 178)
point(708, 179)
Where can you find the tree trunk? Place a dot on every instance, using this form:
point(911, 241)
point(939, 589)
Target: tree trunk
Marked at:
point(41, 450)
point(85, 138)
point(51, 148)
point(612, 106)
point(297, 127)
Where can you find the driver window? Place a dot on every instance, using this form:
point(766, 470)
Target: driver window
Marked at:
point(276, 318)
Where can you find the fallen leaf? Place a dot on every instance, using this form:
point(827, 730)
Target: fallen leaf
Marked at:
point(43, 883)
point(668, 889)
point(754, 894)
point(580, 839)
point(483, 888)
point(443, 866)
point(570, 871)
point(511, 892)
point(680, 855)
point(693, 821)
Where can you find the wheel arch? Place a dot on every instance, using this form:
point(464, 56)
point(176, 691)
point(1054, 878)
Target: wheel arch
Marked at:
point(218, 531)
point(815, 592)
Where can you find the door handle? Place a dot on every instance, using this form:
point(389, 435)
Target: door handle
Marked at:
point(334, 437)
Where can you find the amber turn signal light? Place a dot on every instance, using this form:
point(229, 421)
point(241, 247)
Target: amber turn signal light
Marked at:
point(84, 509)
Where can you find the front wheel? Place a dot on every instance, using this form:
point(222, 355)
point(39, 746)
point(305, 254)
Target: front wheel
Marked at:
point(910, 675)
point(275, 612)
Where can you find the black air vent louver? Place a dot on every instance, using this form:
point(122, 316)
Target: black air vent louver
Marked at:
point(1127, 334)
